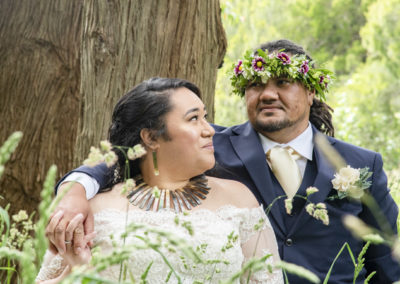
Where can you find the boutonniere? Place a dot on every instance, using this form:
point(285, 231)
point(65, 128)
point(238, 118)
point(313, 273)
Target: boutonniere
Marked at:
point(350, 182)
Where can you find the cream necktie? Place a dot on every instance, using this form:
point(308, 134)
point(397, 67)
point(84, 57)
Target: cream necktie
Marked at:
point(283, 164)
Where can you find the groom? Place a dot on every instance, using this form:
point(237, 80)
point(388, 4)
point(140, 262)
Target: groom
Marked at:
point(283, 114)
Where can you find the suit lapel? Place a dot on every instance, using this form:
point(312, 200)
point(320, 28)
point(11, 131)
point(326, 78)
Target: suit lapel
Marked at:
point(249, 149)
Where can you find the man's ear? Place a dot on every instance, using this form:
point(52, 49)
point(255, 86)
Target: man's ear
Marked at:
point(149, 139)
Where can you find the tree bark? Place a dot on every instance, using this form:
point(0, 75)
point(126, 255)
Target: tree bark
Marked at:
point(64, 64)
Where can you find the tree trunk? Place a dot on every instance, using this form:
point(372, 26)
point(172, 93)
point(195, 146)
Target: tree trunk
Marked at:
point(64, 64)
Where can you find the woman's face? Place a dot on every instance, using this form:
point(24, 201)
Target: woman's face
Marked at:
point(189, 151)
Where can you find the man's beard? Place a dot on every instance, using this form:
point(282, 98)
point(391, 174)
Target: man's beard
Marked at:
point(273, 126)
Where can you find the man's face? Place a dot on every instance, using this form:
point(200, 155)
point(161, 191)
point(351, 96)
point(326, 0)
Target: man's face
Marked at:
point(279, 104)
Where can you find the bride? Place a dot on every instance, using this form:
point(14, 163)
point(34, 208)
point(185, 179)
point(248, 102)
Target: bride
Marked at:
point(168, 118)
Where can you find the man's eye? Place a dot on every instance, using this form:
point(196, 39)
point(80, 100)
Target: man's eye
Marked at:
point(194, 118)
point(281, 82)
point(255, 85)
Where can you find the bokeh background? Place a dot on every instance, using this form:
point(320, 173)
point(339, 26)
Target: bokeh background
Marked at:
point(358, 39)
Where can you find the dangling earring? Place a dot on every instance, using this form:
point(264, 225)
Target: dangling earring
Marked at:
point(155, 164)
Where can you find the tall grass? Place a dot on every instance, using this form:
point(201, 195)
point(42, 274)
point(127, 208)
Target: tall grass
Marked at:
point(21, 255)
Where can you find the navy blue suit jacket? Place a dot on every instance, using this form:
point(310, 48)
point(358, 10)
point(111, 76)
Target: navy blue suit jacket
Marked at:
point(302, 239)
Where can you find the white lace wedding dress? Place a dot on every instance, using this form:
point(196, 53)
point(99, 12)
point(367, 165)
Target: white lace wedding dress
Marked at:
point(205, 231)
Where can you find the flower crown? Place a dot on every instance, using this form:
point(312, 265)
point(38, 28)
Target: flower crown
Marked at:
point(262, 66)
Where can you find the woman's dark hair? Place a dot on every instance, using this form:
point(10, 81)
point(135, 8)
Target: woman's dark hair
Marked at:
point(320, 112)
point(145, 106)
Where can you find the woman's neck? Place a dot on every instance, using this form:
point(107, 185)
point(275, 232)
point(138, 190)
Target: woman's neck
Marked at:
point(165, 180)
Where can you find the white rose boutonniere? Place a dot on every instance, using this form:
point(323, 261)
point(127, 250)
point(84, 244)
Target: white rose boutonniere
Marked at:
point(350, 182)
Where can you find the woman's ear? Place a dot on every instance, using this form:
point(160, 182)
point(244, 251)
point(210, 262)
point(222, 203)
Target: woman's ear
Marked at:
point(149, 139)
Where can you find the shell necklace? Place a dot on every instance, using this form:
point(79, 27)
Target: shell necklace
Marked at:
point(180, 199)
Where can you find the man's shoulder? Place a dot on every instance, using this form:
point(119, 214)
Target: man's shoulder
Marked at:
point(349, 150)
point(231, 130)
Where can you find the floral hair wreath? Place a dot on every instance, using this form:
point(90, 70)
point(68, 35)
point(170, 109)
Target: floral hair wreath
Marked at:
point(262, 66)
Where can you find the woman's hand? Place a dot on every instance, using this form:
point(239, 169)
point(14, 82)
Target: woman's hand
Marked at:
point(70, 258)
point(73, 203)
point(84, 255)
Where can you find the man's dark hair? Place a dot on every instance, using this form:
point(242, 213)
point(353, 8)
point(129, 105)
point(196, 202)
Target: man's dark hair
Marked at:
point(320, 112)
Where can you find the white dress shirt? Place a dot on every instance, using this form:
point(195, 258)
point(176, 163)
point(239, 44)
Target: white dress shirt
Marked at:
point(302, 144)
point(90, 184)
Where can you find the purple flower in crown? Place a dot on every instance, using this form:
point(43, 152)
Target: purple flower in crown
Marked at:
point(258, 63)
point(304, 68)
point(324, 80)
point(239, 68)
point(284, 58)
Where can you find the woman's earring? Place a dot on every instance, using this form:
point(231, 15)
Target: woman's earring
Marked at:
point(155, 164)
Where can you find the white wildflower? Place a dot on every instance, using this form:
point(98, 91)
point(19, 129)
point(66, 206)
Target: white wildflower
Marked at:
point(105, 146)
point(321, 213)
point(95, 157)
point(13, 233)
point(289, 205)
point(110, 158)
point(311, 190)
point(21, 216)
point(136, 152)
point(131, 154)
point(139, 150)
point(310, 208)
point(128, 185)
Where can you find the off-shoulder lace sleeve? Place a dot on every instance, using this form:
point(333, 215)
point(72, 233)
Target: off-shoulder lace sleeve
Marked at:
point(258, 240)
point(51, 268)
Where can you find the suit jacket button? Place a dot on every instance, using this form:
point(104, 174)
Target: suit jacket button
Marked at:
point(289, 242)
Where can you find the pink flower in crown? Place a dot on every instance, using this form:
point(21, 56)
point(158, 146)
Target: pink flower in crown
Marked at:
point(304, 68)
point(258, 63)
point(284, 58)
point(239, 68)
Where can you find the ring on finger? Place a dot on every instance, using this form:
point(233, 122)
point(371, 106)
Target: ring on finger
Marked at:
point(68, 242)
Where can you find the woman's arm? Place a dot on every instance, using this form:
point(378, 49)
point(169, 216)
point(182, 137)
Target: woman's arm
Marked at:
point(258, 240)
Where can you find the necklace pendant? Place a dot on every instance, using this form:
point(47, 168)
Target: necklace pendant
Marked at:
point(175, 202)
point(155, 204)
point(167, 199)
point(141, 195)
point(185, 201)
point(145, 198)
point(150, 203)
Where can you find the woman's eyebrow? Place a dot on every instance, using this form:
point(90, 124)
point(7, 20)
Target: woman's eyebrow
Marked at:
point(193, 110)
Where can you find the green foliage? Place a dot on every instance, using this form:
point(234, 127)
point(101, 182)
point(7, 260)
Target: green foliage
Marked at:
point(8, 148)
point(367, 115)
point(247, 24)
point(359, 40)
point(358, 265)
